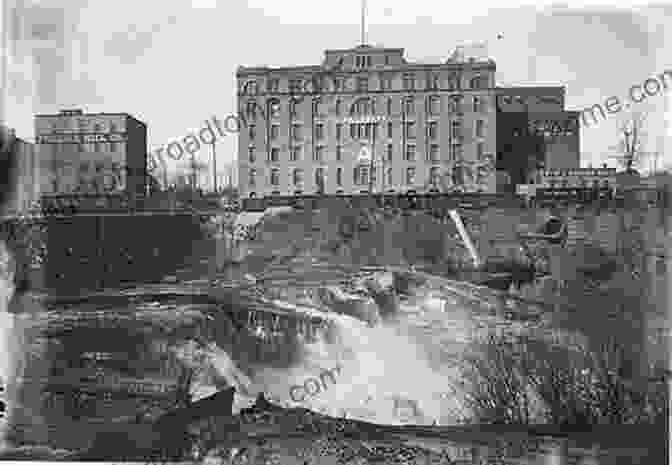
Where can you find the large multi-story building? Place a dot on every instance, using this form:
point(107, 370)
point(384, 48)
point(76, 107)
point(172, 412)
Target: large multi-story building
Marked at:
point(315, 129)
point(367, 119)
point(93, 153)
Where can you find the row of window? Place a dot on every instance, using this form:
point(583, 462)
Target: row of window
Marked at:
point(385, 81)
point(88, 147)
point(368, 130)
point(83, 124)
point(581, 183)
point(456, 104)
point(360, 176)
point(433, 153)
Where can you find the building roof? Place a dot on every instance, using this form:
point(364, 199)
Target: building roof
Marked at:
point(55, 115)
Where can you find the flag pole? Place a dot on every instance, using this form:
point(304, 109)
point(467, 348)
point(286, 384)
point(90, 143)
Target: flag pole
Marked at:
point(363, 22)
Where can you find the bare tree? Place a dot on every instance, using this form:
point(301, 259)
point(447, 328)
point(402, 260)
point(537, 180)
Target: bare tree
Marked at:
point(630, 147)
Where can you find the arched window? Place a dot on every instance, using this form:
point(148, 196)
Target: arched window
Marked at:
point(252, 181)
point(455, 105)
point(454, 81)
point(478, 82)
point(362, 107)
point(250, 87)
point(251, 109)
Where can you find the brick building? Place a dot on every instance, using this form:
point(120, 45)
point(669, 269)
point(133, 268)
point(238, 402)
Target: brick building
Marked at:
point(316, 128)
point(534, 132)
point(368, 119)
point(92, 153)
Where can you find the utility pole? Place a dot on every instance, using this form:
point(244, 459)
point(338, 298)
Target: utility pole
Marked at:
point(214, 168)
point(372, 165)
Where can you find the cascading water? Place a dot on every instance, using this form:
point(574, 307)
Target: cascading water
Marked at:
point(402, 371)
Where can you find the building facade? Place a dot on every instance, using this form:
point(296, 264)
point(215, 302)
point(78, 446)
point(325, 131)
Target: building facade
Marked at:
point(534, 133)
point(91, 153)
point(366, 120)
point(20, 180)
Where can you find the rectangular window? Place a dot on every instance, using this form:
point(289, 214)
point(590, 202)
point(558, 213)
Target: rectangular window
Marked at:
point(389, 153)
point(410, 176)
point(363, 84)
point(483, 105)
point(409, 106)
point(476, 105)
point(480, 150)
point(456, 128)
point(251, 155)
point(272, 85)
point(410, 130)
point(409, 81)
point(318, 155)
point(339, 131)
point(432, 130)
point(296, 132)
point(361, 175)
point(337, 110)
point(410, 153)
point(353, 131)
point(434, 105)
point(339, 153)
point(252, 132)
point(113, 146)
point(294, 86)
point(479, 128)
point(389, 130)
point(295, 154)
point(319, 131)
point(457, 152)
point(275, 177)
point(275, 154)
point(385, 83)
point(275, 109)
point(434, 155)
point(388, 181)
point(339, 176)
point(275, 131)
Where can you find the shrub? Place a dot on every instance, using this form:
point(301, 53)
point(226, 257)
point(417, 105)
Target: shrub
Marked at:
point(523, 381)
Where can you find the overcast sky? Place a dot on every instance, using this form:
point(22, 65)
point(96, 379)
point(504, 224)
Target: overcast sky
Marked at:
point(172, 63)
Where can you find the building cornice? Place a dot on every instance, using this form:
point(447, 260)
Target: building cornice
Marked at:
point(243, 71)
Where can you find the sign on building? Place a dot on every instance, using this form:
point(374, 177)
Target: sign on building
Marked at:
point(364, 155)
point(69, 138)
